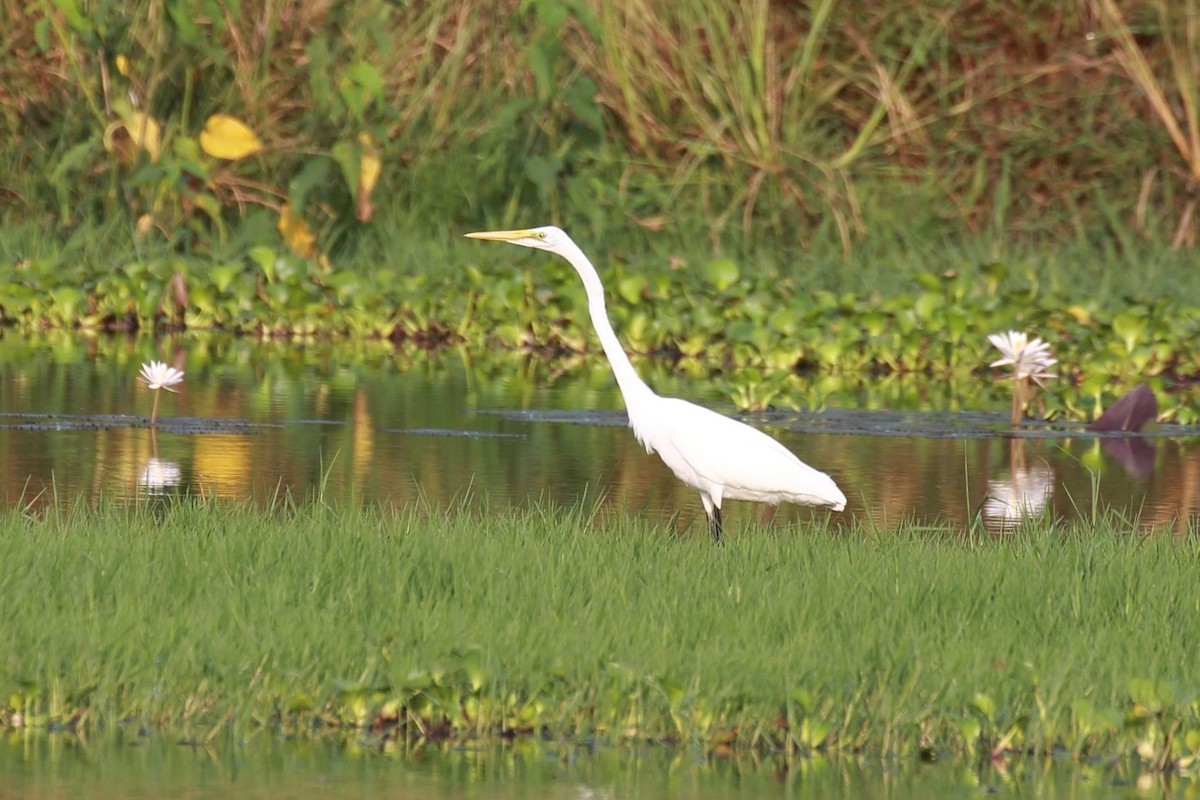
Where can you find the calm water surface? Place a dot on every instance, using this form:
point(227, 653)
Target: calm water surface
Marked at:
point(373, 423)
point(37, 765)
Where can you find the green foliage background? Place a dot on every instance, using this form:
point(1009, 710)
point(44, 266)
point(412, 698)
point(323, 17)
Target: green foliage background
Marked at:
point(776, 186)
point(793, 121)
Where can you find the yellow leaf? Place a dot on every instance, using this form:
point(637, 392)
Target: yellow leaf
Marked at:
point(295, 231)
point(228, 138)
point(369, 165)
point(138, 128)
point(123, 65)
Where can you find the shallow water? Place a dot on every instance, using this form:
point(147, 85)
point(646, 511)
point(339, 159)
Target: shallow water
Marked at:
point(374, 424)
point(40, 765)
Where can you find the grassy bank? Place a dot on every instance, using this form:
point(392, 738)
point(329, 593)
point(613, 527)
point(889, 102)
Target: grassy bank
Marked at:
point(196, 618)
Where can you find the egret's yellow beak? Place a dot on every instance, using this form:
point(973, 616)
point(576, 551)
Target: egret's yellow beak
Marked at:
point(502, 236)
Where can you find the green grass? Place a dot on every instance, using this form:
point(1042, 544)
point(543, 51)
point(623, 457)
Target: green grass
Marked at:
point(445, 622)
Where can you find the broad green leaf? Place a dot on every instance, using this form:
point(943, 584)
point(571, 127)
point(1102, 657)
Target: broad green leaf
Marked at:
point(984, 704)
point(630, 287)
point(721, 273)
point(314, 173)
point(223, 275)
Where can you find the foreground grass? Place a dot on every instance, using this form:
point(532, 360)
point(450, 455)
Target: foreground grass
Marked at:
point(423, 622)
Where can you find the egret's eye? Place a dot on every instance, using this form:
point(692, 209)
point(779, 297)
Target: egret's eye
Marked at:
point(542, 235)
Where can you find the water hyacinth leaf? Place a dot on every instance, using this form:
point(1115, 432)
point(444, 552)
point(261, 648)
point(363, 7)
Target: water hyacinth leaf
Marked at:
point(1145, 696)
point(223, 276)
point(67, 299)
point(472, 665)
point(721, 273)
point(829, 352)
point(1079, 313)
point(276, 295)
point(814, 733)
point(291, 270)
point(930, 281)
point(1131, 327)
point(927, 305)
point(228, 138)
point(638, 326)
point(264, 257)
point(631, 287)
point(347, 285)
point(985, 705)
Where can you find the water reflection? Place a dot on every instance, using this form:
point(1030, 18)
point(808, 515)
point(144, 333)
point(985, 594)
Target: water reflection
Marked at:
point(124, 765)
point(1134, 453)
point(1021, 494)
point(159, 475)
point(365, 422)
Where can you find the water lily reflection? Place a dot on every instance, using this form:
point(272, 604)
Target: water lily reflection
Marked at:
point(159, 475)
point(1020, 496)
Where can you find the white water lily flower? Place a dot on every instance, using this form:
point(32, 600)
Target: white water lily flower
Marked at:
point(1029, 359)
point(157, 375)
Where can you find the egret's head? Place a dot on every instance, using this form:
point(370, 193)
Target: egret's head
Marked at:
point(544, 238)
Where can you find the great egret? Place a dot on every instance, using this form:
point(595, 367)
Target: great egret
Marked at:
point(721, 457)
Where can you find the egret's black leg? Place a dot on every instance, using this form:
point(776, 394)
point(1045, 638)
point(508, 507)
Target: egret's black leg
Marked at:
point(714, 524)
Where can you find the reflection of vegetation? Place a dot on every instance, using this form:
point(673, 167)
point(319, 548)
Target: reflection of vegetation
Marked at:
point(427, 623)
point(524, 766)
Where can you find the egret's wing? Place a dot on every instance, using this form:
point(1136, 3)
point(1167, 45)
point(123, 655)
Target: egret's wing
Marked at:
point(706, 449)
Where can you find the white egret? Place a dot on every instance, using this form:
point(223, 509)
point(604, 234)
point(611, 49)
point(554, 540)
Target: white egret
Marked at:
point(723, 458)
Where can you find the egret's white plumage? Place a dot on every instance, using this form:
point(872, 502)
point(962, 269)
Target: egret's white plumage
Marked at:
point(723, 458)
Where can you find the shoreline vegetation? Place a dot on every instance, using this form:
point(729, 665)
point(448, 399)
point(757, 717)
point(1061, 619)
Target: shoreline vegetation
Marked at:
point(303, 619)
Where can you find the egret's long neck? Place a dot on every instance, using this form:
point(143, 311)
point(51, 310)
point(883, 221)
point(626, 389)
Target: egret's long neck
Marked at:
point(630, 383)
